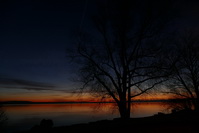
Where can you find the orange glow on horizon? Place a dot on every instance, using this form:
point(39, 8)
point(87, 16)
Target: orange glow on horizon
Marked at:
point(53, 96)
point(74, 98)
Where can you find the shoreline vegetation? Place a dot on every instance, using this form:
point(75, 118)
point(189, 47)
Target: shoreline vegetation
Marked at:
point(184, 121)
point(70, 102)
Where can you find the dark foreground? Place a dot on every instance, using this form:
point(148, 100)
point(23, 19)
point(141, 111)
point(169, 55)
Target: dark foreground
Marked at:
point(181, 122)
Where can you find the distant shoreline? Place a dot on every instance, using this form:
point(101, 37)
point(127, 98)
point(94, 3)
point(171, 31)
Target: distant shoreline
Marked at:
point(73, 102)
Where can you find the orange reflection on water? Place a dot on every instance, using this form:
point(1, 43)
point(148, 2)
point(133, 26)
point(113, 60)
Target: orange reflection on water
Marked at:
point(53, 109)
point(44, 110)
point(144, 109)
point(25, 116)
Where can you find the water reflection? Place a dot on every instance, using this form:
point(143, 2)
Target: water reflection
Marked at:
point(22, 117)
point(145, 109)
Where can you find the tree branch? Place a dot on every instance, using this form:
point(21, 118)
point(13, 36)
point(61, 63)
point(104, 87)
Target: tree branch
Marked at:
point(100, 69)
point(107, 88)
point(144, 91)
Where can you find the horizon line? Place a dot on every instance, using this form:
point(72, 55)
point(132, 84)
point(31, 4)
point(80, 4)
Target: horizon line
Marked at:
point(32, 102)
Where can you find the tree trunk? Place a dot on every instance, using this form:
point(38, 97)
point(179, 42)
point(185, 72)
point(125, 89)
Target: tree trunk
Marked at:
point(123, 110)
point(129, 103)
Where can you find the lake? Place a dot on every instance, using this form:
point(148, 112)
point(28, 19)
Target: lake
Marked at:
point(25, 116)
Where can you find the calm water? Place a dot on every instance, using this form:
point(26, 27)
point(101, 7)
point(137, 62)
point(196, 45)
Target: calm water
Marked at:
point(22, 117)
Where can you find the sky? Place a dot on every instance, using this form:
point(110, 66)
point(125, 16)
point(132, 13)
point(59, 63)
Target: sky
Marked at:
point(34, 38)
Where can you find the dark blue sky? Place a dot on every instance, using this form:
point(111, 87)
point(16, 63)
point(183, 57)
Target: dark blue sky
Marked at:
point(34, 36)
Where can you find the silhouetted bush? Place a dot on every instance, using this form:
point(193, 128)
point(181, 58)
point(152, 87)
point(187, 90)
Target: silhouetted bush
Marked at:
point(45, 126)
point(46, 123)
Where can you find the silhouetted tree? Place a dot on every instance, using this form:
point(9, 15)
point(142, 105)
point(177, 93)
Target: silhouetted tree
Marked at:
point(185, 79)
point(124, 61)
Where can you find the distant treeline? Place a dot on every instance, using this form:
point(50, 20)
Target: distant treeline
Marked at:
point(29, 102)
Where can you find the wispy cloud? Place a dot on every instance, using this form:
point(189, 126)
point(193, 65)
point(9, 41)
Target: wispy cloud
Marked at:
point(7, 82)
point(12, 83)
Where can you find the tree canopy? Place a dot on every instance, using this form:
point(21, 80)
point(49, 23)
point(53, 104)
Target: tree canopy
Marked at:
point(124, 59)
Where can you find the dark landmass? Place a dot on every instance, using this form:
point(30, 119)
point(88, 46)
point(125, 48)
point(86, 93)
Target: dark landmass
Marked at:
point(185, 121)
point(16, 102)
point(29, 102)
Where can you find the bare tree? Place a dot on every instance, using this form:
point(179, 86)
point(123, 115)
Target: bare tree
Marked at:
point(124, 60)
point(184, 82)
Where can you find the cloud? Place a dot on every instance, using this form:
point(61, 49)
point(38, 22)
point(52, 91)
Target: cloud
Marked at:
point(13, 83)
